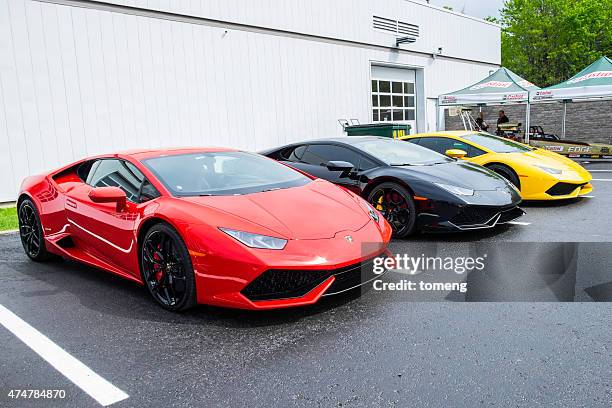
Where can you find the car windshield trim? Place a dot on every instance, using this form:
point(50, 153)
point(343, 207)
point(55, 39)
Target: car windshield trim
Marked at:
point(222, 173)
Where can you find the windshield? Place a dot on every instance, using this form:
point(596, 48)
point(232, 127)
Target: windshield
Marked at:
point(496, 144)
point(399, 153)
point(222, 173)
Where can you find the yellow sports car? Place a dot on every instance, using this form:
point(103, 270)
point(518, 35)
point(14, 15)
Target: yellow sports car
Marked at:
point(538, 174)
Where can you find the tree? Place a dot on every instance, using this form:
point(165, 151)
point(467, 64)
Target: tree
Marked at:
point(548, 41)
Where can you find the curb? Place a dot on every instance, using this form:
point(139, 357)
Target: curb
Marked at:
point(9, 232)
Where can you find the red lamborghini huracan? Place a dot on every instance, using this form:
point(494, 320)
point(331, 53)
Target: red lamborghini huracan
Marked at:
point(212, 226)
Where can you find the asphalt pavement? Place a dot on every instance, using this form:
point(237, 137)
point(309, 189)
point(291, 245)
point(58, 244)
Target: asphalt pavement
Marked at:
point(349, 350)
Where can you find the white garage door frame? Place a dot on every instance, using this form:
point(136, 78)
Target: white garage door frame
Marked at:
point(405, 73)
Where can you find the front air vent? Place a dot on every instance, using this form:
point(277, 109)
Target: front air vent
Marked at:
point(394, 26)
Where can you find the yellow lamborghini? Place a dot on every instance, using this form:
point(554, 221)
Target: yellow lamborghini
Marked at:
point(537, 173)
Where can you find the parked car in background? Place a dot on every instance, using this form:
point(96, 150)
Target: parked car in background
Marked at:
point(413, 187)
point(539, 174)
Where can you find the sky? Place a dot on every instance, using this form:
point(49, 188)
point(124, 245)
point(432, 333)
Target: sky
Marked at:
point(476, 8)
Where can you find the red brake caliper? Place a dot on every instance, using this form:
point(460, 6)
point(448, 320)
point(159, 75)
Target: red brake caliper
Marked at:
point(156, 267)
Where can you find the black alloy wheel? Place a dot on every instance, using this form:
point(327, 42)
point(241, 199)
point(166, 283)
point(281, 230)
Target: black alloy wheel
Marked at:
point(166, 268)
point(31, 232)
point(396, 205)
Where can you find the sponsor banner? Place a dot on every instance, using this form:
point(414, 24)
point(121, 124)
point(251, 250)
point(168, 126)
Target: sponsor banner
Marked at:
point(577, 92)
point(468, 99)
point(448, 99)
point(491, 84)
point(591, 75)
point(542, 95)
point(579, 149)
point(515, 96)
point(554, 148)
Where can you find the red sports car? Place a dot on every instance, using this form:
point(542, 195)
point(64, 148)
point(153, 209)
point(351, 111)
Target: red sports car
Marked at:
point(212, 226)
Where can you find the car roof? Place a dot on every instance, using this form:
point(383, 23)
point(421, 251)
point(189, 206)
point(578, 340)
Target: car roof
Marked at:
point(350, 140)
point(455, 133)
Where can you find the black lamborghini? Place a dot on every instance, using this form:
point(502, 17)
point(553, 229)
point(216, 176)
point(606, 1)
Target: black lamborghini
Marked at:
point(413, 187)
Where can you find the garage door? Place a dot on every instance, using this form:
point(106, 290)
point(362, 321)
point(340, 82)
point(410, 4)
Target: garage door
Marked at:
point(394, 95)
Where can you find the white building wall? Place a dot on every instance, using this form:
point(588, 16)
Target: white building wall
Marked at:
point(77, 81)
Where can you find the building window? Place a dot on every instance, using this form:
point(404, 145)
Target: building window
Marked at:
point(392, 101)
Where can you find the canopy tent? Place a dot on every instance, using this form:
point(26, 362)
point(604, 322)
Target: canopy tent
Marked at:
point(593, 82)
point(502, 86)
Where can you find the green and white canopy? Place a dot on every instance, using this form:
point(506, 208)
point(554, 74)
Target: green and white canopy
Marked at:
point(595, 81)
point(502, 86)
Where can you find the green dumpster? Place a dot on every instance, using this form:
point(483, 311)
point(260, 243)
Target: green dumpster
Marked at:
point(392, 130)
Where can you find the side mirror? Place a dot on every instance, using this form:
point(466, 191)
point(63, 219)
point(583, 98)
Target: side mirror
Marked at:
point(456, 153)
point(339, 166)
point(109, 195)
point(342, 166)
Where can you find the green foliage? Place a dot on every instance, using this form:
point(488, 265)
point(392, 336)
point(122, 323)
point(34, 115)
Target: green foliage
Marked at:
point(548, 41)
point(8, 219)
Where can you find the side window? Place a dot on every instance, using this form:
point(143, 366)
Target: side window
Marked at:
point(416, 140)
point(434, 143)
point(366, 164)
point(320, 154)
point(122, 174)
point(442, 144)
point(84, 169)
point(293, 154)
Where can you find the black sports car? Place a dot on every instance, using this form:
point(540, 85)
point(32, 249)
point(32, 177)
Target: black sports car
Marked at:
point(413, 187)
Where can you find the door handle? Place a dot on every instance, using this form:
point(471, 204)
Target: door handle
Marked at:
point(71, 203)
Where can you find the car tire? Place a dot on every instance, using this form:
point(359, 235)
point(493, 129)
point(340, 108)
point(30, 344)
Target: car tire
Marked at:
point(402, 220)
point(31, 232)
point(506, 172)
point(166, 268)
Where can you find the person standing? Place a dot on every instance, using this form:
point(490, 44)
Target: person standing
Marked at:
point(501, 118)
point(480, 122)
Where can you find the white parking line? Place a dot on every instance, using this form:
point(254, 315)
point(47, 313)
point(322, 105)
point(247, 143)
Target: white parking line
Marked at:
point(81, 375)
point(518, 223)
point(601, 179)
point(587, 196)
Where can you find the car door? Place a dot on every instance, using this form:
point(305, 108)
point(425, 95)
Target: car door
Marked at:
point(107, 232)
point(313, 159)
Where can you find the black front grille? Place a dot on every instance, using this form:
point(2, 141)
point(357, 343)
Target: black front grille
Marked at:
point(474, 215)
point(561, 189)
point(293, 283)
point(352, 276)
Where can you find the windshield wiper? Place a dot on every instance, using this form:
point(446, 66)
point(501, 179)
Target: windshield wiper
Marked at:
point(400, 164)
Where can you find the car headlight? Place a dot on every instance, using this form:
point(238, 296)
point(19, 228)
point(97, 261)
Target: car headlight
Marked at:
point(456, 189)
point(256, 240)
point(549, 170)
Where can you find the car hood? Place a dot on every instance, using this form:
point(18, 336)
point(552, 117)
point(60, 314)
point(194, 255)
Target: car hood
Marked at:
point(317, 210)
point(541, 157)
point(460, 173)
